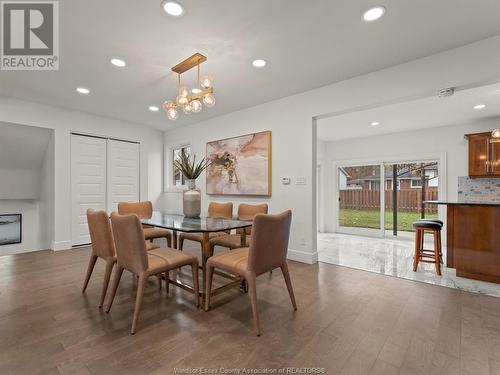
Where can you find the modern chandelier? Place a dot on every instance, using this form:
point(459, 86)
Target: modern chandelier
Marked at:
point(190, 100)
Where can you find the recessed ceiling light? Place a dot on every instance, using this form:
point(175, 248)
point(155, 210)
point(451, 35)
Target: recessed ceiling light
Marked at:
point(259, 63)
point(196, 91)
point(479, 106)
point(153, 108)
point(375, 123)
point(374, 14)
point(118, 62)
point(82, 90)
point(172, 7)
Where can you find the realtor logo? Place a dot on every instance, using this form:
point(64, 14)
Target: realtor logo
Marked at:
point(29, 35)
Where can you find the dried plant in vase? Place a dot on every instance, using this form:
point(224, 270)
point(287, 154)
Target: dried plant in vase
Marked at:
point(191, 199)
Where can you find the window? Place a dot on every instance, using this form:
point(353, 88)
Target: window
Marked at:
point(178, 178)
point(416, 183)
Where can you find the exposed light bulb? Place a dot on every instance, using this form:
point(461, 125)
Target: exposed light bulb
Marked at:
point(495, 133)
point(182, 100)
point(196, 91)
point(206, 82)
point(187, 108)
point(183, 91)
point(196, 105)
point(209, 100)
point(153, 108)
point(172, 114)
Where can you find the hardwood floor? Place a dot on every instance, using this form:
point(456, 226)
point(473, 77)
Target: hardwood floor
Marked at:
point(348, 321)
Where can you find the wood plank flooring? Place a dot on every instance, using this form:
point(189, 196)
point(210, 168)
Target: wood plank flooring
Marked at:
point(348, 322)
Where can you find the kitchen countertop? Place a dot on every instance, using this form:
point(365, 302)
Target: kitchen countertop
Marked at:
point(468, 203)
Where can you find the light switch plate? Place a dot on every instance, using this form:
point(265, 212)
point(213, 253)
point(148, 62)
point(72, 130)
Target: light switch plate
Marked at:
point(300, 180)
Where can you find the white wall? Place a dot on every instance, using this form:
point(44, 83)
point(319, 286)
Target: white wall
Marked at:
point(19, 183)
point(448, 140)
point(294, 140)
point(47, 197)
point(64, 122)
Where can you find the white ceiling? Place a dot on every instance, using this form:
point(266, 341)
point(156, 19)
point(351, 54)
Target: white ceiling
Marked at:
point(22, 147)
point(307, 44)
point(423, 113)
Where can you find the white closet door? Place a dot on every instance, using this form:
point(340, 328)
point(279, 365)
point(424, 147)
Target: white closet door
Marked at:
point(88, 183)
point(123, 173)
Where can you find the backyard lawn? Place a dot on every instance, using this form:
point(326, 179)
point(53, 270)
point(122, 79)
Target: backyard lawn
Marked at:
point(371, 219)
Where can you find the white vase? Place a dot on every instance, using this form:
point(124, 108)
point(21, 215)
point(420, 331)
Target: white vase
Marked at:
point(191, 200)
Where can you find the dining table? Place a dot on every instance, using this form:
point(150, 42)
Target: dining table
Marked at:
point(204, 225)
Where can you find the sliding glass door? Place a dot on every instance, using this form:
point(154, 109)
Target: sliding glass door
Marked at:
point(385, 199)
point(360, 201)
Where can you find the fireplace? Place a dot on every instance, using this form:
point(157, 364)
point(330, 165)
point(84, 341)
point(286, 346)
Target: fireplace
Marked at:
point(10, 229)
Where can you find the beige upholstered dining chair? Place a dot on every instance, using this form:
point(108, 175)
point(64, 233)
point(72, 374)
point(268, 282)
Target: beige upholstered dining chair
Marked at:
point(268, 250)
point(132, 256)
point(144, 210)
point(215, 210)
point(233, 241)
point(103, 246)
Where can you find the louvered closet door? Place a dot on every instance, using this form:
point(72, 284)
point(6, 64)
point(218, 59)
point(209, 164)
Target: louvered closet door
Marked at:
point(88, 183)
point(123, 173)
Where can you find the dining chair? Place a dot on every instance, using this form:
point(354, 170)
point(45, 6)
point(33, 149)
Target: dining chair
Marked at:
point(144, 210)
point(233, 241)
point(216, 211)
point(267, 251)
point(103, 246)
point(132, 256)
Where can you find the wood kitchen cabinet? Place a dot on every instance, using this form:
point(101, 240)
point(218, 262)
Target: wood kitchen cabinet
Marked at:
point(484, 155)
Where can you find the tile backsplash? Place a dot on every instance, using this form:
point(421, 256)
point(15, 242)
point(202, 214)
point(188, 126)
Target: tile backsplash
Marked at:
point(479, 189)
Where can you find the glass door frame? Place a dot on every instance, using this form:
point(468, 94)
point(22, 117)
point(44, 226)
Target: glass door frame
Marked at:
point(371, 232)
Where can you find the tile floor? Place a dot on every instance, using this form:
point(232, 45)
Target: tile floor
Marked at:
point(392, 257)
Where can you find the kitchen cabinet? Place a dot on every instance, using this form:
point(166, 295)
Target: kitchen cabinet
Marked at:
point(484, 155)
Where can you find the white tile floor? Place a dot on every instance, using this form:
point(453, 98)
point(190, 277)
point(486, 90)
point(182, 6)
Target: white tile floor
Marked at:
point(392, 257)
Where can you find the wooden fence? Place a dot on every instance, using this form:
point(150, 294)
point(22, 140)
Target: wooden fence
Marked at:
point(409, 200)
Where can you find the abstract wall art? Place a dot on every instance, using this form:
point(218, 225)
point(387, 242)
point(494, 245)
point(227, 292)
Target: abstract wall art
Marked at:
point(240, 165)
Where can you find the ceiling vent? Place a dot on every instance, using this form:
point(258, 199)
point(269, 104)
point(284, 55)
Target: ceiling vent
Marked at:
point(444, 93)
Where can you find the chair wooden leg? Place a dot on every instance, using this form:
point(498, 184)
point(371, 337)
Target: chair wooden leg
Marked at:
point(169, 241)
point(208, 284)
point(437, 251)
point(105, 283)
point(114, 287)
point(90, 268)
point(167, 278)
point(138, 302)
point(417, 249)
point(288, 281)
point(252, 290)
point(159, 282)
point(196, 285)
point(181, 243)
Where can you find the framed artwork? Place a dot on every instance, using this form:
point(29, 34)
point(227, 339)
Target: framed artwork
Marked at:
point(240, 165)
point(10, 229)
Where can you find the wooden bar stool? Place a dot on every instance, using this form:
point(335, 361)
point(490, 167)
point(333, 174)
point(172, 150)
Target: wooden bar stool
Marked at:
point(425, 255)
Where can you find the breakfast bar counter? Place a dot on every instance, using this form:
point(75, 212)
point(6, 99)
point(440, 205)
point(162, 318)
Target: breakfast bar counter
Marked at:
point(473, 239)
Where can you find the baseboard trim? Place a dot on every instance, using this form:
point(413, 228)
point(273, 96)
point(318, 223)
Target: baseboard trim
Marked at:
point(303, 256)
point(61, 245)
